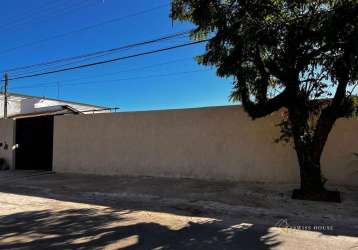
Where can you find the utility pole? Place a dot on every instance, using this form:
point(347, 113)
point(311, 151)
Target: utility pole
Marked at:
point(6, 80)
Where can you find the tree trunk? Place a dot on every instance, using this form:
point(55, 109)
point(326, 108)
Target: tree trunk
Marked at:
point(309, 157)
point(310, 172)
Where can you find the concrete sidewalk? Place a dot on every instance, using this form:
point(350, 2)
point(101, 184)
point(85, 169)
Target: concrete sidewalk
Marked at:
point(92, 212)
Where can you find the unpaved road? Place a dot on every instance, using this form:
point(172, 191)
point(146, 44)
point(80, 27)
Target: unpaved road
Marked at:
point(52, 211)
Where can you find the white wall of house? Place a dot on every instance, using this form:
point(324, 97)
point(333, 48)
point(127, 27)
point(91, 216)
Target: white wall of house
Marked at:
point(7, 141)
point(25, 105)
point(13, 107)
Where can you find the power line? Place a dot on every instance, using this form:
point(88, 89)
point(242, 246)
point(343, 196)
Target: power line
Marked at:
point(49, 68)
point(114, 80)
point(111, 60)
point(100, 53)
point(114, 20)
point(108, 74)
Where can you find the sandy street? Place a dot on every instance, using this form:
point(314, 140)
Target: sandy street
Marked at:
point(57, 211)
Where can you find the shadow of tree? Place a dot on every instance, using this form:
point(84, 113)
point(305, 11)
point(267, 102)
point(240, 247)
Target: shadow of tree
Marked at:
point(98, 229)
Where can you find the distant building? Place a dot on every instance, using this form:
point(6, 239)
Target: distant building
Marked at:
point(20, 106)
point(26, 137)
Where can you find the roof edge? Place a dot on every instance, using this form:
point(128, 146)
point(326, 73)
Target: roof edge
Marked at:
point(52, 99)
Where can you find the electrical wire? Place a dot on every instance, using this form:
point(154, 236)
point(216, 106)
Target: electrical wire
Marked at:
point(49, 68)
point(110, 60)
point(101, 52)
point(110, 74)
point(91, 56)
point(113, 80)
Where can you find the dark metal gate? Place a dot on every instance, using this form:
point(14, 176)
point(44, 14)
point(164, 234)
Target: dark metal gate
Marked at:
point(34, 137)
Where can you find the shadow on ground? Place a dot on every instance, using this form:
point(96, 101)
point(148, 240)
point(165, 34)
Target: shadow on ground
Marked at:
point(84, 189)
point(93, 229)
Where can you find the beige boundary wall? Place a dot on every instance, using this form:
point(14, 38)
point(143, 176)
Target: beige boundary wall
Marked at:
point(220, 143)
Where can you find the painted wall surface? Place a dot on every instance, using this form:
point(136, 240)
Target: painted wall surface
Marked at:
point(7, 139)
point(208, 143)
point(13, 107)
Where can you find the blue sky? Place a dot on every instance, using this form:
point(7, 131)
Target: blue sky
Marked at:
point(167, 80)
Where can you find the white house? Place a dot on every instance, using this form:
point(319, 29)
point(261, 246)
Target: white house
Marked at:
point(24, 105)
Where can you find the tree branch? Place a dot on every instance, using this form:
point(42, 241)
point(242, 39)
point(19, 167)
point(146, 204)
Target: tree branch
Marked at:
point(265, 77)
point(263, 108)
point(328, 117)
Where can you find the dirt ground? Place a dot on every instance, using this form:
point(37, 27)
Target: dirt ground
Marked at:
point(40, 210)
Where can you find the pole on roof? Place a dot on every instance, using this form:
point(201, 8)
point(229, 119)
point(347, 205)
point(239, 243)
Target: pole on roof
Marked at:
point(6, 81)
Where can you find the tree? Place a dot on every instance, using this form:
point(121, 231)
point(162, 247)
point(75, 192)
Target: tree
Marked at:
point(297, 55)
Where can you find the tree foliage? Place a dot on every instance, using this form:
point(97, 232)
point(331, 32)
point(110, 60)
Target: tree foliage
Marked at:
point(301, 55)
